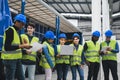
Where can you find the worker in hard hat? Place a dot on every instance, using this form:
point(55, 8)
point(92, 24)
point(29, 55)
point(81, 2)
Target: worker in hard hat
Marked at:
point(109, 56)
point(92, 59)
point(77, 59)
point(48, 55)
point(29, 57)
point(12, 46)
point(62, 61)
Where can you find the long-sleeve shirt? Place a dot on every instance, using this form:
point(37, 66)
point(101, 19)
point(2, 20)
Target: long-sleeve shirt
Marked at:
point(85, 48)
point(9, 38)
point(47, 56)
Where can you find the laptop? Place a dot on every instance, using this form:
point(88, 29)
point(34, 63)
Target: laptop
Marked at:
point(66, 50)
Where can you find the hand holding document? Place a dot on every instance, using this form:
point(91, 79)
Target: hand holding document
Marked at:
point(109, 49)
point(28, 51)
point(106, 49)
point(36, 46)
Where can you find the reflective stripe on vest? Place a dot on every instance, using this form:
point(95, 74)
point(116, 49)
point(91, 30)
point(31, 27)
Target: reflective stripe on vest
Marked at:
point(110, 55)
point(92, 53)
point(10, 52)
point(43, 61)
point(11, 55)
point(92, 56)
point(75, 59)
point(31, 56)
point(63, 58)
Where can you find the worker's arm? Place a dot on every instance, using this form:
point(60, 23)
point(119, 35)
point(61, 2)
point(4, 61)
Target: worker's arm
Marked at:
point(82, 58)
point(84, 51)
point(116, 50)
point(8, 42)
point(101, 52)
point(47, 56)
point(85, 47)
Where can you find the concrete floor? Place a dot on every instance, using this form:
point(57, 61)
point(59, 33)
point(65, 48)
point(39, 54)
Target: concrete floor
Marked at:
point(69, 77)
point(54, 77)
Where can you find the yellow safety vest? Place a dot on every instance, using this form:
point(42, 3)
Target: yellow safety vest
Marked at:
point(11, 55)
point(75, 59)
point(63, 58)
point(43, 61)
point(31, 56)
point(92, 53)
point(110, 55)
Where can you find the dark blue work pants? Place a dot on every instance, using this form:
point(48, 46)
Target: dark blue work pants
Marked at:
point(12, 68)
point(110, 65)
point(93, 70)
point(62, 70)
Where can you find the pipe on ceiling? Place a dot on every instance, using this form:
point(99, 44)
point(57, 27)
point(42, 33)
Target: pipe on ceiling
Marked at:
point(53, 10)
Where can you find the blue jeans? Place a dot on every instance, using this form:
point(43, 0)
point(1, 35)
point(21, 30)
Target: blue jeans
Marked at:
point(62, 70)
point(13, 67)
point(74, 73)
point(31, 71)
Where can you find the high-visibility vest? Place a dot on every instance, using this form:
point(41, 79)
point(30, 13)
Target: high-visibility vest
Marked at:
point(63, 58)
point(11, 55)
point(75, 59)
point(43, 61)
point(92, 53)
point(110, 55)
point(31, 56)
